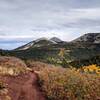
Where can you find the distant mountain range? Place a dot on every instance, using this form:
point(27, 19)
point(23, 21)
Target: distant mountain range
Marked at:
point(81, 51)
point(87, 38)
point(40, 43)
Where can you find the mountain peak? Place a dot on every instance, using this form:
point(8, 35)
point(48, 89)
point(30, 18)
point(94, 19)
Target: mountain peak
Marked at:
point(55, 39)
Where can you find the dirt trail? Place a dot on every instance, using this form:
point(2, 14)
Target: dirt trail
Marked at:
point(23, 87)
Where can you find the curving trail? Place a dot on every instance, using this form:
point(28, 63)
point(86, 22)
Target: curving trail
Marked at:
point(23, 87)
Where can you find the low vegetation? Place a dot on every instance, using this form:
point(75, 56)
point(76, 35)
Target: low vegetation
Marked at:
point(4, 92)
point(69, 84)
point(57, 83)
point(37, 65)
point(12, 70)
point(12, 66)
point(94, 69)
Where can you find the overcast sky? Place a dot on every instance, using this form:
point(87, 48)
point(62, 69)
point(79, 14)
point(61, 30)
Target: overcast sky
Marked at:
point(22, 21)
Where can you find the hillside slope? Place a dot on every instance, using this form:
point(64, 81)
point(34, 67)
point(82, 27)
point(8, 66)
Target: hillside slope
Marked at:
point(20, 82)
point(62, 53)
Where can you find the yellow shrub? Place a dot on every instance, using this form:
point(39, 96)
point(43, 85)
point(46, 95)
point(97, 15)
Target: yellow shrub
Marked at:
point(91, 69)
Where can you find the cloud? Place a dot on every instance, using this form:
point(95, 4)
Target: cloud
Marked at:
point(67, 19)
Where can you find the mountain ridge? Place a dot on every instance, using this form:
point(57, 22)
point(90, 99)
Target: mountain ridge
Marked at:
point(89, 37)
point(39, 43)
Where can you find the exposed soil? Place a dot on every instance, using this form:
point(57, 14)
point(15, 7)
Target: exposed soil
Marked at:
point(23, 86)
